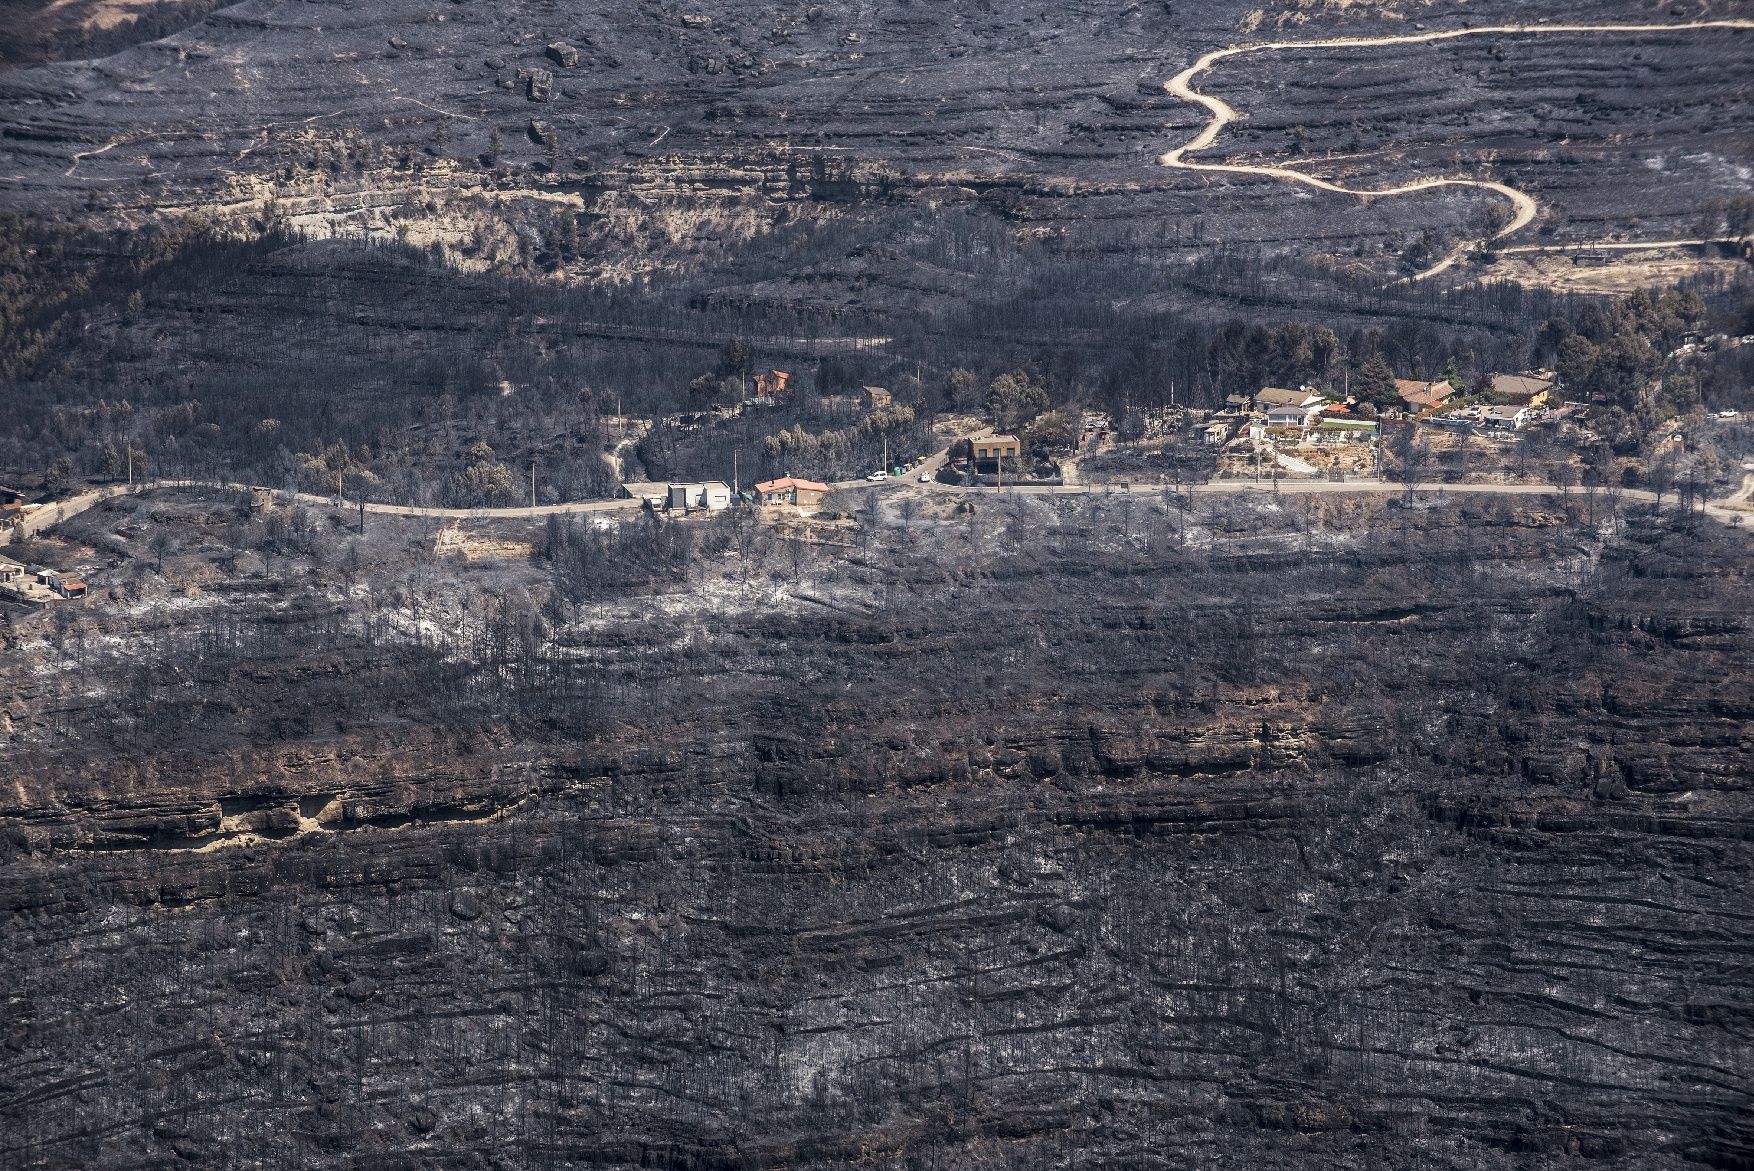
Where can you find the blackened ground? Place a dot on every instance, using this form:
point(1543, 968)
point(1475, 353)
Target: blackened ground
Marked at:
point(1118, 833)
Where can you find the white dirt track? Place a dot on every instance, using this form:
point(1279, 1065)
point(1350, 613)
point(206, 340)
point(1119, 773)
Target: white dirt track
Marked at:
point(1223, 114)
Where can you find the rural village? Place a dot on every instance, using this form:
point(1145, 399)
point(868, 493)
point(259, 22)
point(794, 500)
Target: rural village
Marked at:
point(1431, 433)
point(899, 586)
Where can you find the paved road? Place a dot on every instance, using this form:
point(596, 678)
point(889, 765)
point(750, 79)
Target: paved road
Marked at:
point(1731, 510)
point(1721, 509)
point(1181, 85)
point(934, 463)
point(1610, 246)
point(53, 514)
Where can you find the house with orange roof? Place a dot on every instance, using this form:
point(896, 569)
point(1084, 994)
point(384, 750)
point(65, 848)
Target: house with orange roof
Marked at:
point(790, 490)
point(1423, 396)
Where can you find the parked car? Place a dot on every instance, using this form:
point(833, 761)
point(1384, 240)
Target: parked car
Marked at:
point(925, 478)
point(874, 477)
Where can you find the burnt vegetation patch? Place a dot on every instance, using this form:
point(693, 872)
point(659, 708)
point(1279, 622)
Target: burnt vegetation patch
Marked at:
point(1082, 827)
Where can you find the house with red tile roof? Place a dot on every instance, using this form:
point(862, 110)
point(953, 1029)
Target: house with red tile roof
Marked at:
point(1423, 396)
point(790, 490)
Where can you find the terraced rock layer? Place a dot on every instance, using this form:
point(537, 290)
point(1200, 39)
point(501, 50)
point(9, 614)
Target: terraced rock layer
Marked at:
point(1423, 842)
point(363, 119)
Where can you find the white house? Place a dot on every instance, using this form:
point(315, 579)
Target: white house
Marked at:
point(1297, 416)
point(1511, 418)
point(714, 496)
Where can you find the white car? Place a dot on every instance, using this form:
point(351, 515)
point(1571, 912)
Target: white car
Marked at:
point(925, 478)
point(876, 477)
point(1729, 414)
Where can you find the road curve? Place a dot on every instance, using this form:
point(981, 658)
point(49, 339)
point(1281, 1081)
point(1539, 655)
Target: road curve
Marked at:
point(1182, 86)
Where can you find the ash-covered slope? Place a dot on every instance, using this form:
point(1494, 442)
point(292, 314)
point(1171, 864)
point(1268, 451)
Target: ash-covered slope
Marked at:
point(1036, 837)
point(666, 124)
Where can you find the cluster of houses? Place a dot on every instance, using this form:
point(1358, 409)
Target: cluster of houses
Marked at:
point(1308, 417)
point(35, 584)
point(1517, 399)
point(1699, 343)
point(32, 584)
point(716, 495)
point(1304, 416)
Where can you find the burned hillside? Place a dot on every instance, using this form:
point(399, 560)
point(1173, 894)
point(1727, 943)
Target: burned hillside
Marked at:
point(912, 586)
point(1263, 833)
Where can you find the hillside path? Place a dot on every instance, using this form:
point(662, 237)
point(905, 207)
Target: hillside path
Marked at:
point(1223, 114)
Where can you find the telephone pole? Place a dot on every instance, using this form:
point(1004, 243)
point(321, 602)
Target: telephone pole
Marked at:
point(532, 484)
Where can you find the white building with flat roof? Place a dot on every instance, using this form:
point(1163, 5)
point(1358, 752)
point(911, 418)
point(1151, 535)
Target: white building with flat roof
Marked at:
point(713, 496)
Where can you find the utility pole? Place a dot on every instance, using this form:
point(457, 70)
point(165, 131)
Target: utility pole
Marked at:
point(532, 483)
point(736, 490)
point(362, 512)
point(130, 446)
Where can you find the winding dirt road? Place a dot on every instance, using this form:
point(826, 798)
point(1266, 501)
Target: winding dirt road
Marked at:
point(1223, 114)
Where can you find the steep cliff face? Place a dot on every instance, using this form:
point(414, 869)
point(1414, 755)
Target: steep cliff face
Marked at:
point(1084, 833)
